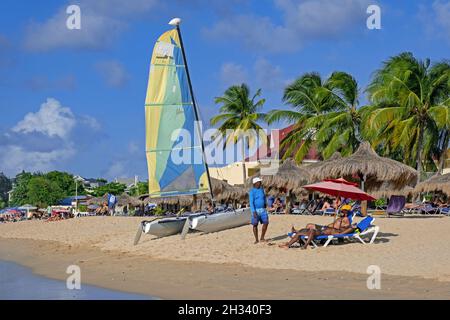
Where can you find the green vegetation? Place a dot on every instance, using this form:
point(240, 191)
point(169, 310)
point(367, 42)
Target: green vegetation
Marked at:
point(325, 113)
point(5, 187)
point(411, 109)
point(142, 188)
point(407, 118)
point(112, 188)
point(43, 189)
point(239, 112)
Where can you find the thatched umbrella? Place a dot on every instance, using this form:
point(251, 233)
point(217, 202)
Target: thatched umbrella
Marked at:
point(125, 200)
point(437, 183)
point(98, 201)
point(317, 165)
point(287, 176)
point(369, 167)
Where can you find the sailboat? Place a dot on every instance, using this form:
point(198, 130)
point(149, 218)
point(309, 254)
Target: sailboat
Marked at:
point(170, 113)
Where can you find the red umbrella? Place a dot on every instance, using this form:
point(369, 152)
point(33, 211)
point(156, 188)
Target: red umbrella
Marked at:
point(340, 188)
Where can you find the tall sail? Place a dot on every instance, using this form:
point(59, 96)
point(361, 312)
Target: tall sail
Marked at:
point(174, 158)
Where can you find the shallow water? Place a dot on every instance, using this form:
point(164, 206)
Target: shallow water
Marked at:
point(19, 283)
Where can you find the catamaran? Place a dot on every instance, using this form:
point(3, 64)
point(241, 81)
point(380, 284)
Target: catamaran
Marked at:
point(170, 113)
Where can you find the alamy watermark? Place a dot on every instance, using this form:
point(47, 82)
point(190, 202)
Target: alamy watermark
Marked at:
point(73, 281)
point(73, 21)
point(223, 148)
point(373, 22)
point(374, 279)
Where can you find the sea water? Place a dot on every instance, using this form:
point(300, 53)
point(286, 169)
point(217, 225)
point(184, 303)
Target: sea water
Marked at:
point(19, 283)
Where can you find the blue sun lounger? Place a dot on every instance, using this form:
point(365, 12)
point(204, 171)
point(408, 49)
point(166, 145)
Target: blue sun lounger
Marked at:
point(363, 228)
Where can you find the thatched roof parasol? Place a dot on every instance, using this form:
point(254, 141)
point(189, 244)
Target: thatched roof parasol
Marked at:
point(437, 183)
point(98, 201)
point(365, 161)
point(313, 166)
point(125, 199)
point(287, 176)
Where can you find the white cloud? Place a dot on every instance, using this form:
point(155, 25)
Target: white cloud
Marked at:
point(43, 140)
point(233, 74)
point(14, 159)
point(52, 119)
point(303, 21)
point(439, 19)
point(113, 73)
point(91, 122)
point(101, 22)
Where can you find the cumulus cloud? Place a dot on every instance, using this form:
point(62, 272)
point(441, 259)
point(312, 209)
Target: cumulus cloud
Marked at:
point(42, 140)
point(101, 22)
point(52, 119)
point(303, 21)
point(113, 73)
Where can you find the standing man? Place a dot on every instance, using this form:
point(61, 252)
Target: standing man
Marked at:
point(258, 205)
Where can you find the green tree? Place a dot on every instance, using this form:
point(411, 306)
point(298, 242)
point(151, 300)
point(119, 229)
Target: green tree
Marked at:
point(325, 113)
point(140, 189)
point(21, 184)
point(239, 113)
point(5, 187)
point(43, 192)
point(66, 182)
point(112, 188)
point(411, 108)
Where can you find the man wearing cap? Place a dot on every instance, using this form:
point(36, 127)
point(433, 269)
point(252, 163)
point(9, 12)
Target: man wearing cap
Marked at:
point(258, 204)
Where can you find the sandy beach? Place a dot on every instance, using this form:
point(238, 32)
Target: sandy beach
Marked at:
point(410, 252)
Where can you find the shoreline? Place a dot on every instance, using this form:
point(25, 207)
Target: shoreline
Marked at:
point(168, 279)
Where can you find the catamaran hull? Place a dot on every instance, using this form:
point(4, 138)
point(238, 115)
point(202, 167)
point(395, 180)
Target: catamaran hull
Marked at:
point(221, 221)
point(164, 227)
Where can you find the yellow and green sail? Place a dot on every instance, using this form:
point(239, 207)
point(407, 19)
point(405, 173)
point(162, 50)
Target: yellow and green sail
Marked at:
point(169, 108)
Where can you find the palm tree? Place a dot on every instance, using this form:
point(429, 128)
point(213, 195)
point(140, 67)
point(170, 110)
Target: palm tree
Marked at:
point(325, 113)
point(412, 108)
point(239, 114)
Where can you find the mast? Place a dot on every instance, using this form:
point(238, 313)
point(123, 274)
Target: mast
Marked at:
point(176, 22)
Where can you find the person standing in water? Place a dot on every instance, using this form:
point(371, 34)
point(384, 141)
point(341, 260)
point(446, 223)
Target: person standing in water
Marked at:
point(258, 204)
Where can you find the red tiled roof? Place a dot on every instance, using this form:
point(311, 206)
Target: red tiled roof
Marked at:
point(265, 151)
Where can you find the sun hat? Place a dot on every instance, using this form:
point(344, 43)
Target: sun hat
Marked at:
point(346, 207)
point(256, 179)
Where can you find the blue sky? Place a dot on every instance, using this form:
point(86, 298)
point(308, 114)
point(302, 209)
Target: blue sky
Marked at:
point(73, 100)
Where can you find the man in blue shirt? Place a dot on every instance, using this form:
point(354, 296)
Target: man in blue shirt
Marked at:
point(258, 204)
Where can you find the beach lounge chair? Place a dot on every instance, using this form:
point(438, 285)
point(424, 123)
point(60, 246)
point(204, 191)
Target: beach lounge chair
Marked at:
point(304, 209)
point(429, 209)
point(396, 205)
point(444, 210)
point(364, 227)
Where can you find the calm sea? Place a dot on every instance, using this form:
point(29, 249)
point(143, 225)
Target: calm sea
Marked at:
point(19, 283)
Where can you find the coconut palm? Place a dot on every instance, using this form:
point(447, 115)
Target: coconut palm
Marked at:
point(240, 113)
point(412, 108)
point(325, 113)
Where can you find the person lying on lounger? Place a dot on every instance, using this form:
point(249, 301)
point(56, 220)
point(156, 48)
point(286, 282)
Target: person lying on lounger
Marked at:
point(341, 225)
point(342, 222)
point(313, 233)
